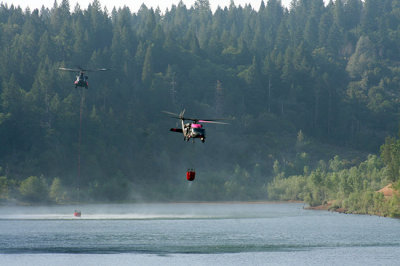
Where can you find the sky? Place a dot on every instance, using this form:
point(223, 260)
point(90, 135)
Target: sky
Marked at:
point(134, 5)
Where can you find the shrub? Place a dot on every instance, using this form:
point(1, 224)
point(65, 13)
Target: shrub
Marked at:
point(34, 189)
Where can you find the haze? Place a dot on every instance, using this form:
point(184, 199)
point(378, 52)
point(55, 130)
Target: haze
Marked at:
point(135, 5)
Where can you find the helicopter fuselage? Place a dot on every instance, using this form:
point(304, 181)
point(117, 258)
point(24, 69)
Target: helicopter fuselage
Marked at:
point(191, 131)
point(81, 81)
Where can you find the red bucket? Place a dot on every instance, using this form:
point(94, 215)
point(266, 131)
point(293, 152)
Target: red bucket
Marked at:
point(190, 175)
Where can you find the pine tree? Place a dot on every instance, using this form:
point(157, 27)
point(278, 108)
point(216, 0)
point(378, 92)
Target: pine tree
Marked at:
point(147, 70)
point(362, 57)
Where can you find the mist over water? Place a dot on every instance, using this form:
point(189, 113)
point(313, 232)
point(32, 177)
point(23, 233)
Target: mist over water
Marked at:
point(143, 211)
point(196, 234)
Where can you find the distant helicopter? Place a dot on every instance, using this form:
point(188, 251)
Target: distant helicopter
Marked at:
point(192, 130)
point(81, 79)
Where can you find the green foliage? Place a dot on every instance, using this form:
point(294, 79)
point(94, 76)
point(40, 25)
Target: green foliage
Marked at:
point(111, 190)
point(8, 189)
point(390, 153)
point(57, 192)
point(354, 189)
point(290, 188)
point(4, 188)
point(363, 56)
point(147, 66)
point(34, 189)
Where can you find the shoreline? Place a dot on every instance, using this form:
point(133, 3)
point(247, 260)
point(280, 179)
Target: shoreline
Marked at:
point(328, 207)
point(387, 191)
point(27, 204)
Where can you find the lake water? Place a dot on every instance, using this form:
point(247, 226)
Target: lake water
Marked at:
point(195, 234)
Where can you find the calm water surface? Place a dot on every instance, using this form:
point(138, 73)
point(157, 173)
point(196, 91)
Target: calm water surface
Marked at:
point(195, 234)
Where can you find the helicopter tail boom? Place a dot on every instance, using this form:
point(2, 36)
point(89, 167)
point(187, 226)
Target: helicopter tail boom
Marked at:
point(179, 130)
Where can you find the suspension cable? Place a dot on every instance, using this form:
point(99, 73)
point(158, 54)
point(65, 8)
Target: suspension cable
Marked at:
point(79, 144)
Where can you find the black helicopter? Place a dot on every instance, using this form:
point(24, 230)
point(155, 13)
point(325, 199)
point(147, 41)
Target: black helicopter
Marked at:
point(192, 130)
point(81, 79)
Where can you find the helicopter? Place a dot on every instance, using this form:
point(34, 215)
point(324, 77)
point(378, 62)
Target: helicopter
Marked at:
point(194, 129)
point(81, 79)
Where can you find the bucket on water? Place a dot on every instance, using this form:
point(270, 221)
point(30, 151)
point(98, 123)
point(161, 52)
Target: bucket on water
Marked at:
point(190, 174)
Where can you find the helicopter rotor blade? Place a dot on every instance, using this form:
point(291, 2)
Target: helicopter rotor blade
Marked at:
point(80, 69)
point(172, 115)
point(95, 70)
point(182, 113)
point(69, 69)
point(178, 116)
point(213, 122)
point(195, 120)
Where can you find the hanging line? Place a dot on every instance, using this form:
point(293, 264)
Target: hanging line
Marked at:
point(79, 144)
point(192, 156)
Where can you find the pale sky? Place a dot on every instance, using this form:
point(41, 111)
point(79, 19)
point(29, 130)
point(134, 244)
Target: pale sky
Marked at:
point(134, 5)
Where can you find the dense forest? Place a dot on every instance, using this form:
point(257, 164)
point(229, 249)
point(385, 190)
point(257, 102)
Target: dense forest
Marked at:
point(299, 85)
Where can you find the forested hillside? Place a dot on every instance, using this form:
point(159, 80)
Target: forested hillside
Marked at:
point(299, 84)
